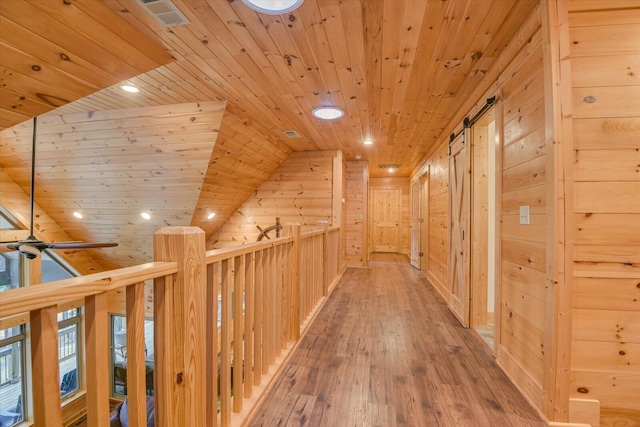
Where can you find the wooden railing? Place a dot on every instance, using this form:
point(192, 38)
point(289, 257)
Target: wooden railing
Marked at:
point(224, 322)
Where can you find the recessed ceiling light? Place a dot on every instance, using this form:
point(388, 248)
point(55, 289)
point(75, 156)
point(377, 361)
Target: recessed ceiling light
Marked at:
point(273, 7)
point(367, 142)
point(77, 215)
point(129, 88)
point(391, 170)
point(358, 156)
point(145, 215)
point(211, 215)
point(328, 113)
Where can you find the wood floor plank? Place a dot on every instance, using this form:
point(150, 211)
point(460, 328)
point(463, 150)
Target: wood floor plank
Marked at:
point(386, 351)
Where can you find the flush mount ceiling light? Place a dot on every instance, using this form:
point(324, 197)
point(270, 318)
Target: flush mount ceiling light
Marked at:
point(77, 215)
point(145, 215)
point(129, 88)
point(328, 113)
point(211, 215)
point(273, 7)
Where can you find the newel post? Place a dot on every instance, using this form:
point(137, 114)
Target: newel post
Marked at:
point(180, 325)
point(293, 230)
point(324, 225)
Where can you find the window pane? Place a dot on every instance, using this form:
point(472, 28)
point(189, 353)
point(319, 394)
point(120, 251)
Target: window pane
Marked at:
point(119, 354)
point(11, 332)
point(9, 271)
point(52, 270)
point(68, 356)
point(11, 385)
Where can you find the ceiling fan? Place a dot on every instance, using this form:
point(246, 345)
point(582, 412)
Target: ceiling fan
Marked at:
point(31, 247)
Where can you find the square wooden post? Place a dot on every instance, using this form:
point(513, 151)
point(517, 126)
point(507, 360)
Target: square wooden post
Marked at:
point(293, 230)
point(180, 332)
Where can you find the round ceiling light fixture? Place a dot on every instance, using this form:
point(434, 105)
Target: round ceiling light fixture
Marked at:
point(145, 215)
point(328, 113)
point(77, 215)
point(129, 88)
point(211, 215)
point(273, 7)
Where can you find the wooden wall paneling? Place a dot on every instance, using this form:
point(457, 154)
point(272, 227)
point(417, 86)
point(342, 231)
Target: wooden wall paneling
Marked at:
point(299, 190)
point(357, 214)
point(604, 91)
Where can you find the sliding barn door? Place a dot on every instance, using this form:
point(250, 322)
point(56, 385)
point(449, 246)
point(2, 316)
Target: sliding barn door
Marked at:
point(459, 203)
point(386, 220)
point(415, 224)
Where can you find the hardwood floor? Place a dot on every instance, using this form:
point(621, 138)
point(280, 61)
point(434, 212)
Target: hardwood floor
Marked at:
point(385, 351)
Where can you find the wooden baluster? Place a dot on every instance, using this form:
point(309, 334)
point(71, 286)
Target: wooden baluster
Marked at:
point(44, 345)
point(45, 367)
point(164, 374)
point(238, 331)
point(213, 278)
point(324, 225)
point(225, 344)
point(269, 312)
point(249, 330)
point(186, 246)
point(97, 359)
point(280, 321)
point(293, 230)
point(260, 362)
point(136, 368)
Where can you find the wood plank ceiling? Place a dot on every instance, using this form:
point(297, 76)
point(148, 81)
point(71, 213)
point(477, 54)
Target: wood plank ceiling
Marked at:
point(398, 68)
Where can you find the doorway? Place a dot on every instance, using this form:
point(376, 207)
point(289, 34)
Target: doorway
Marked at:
point(385, 236)
point(472, 225)
point(483, 228)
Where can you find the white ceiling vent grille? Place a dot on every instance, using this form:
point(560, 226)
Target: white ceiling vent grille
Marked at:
point(165, 12)
point(291, 133)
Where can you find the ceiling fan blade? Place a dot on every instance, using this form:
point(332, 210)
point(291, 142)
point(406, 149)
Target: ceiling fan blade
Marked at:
point(5, 247)
point(80, 245)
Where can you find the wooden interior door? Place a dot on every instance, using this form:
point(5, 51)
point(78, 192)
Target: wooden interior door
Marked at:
point(415, 224)
point(459, 194)
point(386, 220)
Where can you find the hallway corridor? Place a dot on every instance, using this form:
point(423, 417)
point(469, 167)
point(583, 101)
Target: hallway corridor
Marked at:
point(385, 351)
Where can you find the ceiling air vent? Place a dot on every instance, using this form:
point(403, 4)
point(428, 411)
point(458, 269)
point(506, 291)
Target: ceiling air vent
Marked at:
point(291, 133)
point(165, 12)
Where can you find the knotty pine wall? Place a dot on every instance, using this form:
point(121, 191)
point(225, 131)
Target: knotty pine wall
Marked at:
point(299, 190)
point(517, 81)
point(404, 185)
point(357, 213)
point(605, 74)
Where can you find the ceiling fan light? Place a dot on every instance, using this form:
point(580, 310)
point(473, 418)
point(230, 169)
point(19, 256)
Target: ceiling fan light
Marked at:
point(273, 7)
point(129, 88)
point(77, 215)
point(145, 215)
point(328, 113)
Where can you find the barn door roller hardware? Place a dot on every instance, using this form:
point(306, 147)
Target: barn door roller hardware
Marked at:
point(468, 122)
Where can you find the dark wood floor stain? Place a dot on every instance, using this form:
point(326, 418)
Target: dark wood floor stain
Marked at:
point(385, 351)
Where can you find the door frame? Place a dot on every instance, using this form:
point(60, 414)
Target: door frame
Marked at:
point(424, 218)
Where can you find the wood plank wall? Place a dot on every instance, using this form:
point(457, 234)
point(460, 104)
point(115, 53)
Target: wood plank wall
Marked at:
point(404, 184)
point(517, 80)
point(520, 344)
point(357, 213)
point(605, 74)
point(299, 190)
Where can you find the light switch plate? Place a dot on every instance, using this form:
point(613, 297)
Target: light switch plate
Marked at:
point(524, 215)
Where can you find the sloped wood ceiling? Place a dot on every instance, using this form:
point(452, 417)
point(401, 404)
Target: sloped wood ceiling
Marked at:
point(53, 52)
point(112, 165)
point(399, 69)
